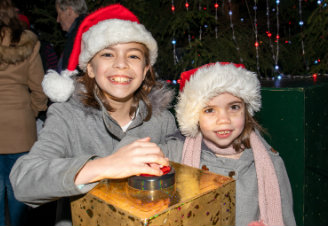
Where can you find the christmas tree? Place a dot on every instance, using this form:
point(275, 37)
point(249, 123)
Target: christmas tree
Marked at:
point(269, 37)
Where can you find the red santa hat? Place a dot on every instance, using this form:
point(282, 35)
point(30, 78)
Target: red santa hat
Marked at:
point(200, 85)
point(105, 27)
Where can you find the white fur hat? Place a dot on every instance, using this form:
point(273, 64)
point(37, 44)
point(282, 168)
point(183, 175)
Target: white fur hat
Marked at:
point(105, 27)
point(207, 82)
point(111, 32)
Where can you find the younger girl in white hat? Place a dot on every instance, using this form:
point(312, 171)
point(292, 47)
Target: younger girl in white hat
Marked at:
point(116, 95)
point(214, 112)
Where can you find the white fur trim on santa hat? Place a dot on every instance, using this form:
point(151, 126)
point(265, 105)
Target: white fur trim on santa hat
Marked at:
point(58, 87)
point(111, 32)
point(207, 83)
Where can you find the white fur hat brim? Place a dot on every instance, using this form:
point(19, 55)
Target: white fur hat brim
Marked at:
point(207, 83)
point(111, 32)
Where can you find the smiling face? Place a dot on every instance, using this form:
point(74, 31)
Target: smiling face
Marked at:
point(222, 120)
point(119, 70)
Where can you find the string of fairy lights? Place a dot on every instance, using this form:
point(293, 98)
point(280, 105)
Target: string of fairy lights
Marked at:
point(301, 23)
point(273, 40)
point(175, 57)
point(276, 56)
point(256, 38)
point(216, 6)
point(275, 49)
point(233, 32)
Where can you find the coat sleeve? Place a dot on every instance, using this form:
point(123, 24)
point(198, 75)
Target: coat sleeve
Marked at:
point(170, 127)
point(48, 171)
point(35, 76)
point(172, 142)
point(285, 191)
point(173, 146)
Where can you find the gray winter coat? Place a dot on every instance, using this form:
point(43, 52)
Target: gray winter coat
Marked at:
point(72, 135)
point(247, 207)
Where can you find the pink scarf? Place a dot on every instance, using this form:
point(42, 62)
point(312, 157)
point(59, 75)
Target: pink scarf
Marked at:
point(268, 186)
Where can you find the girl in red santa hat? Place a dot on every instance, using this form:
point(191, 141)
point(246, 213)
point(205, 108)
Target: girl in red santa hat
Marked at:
point(115, 95)
point(218, 133)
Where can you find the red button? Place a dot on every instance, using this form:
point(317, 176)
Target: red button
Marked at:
point(165, 170)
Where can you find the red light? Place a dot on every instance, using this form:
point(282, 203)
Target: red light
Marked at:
point(277, 37)
point(315, 75)
point(187, 5)
point(319, 60)
point(168, 81)
point(256, 44)
point(204, 8)
point(173, 8)
point(179, 81)
point(269, 35)
point(216, 5)
point(286, 41)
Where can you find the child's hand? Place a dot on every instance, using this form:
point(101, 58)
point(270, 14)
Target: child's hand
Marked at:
point(139, 157)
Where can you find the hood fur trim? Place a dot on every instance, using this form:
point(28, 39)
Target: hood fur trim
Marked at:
point(22, 51)
point(161, 98)
point(207, 83)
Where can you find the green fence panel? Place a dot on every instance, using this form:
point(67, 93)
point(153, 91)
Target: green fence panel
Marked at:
point(294, 114)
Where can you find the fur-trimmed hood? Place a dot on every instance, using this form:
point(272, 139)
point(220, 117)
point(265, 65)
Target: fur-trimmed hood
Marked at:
point(19, 53)
point(161, 98)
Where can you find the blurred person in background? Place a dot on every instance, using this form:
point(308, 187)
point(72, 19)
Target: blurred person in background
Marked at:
point(21, 99)
point(70, 14)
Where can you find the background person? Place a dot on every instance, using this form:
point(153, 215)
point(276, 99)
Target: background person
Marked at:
point(70, 14)
point(21, 99)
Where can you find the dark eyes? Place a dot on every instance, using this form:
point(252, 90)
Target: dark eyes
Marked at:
point(107, 55)
point(208, 110)
point(134, 57)
point(235, 107)
point(111, 55)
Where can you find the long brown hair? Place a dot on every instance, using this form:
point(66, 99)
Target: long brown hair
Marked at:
point(91, 89)
point(9, 20)
point(243, 141)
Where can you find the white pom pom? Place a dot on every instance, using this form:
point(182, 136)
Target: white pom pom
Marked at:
point(58, 87)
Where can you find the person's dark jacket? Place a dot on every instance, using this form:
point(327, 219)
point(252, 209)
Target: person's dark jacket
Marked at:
point(70, 36)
